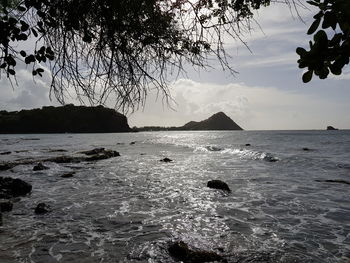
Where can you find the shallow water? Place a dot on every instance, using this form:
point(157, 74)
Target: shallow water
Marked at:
point(129, 208)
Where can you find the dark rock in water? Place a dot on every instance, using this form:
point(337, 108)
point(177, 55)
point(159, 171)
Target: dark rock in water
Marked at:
point(6, 206)
point(5, 166)
point(270, 159)
point(334, 181)
point(5, 153)
point(306, 149)
point(218, 184)
point(166, 160)
point(213, 148)
point(57, 150)
point(94, 151)
point(132, 143)
point(331, 128)
point(247, 144)
point(40, 167)
point(181, 251)
point(65, 159)
point(68, 175)
point(105, 154)
point(42, 208)
point(10, 187)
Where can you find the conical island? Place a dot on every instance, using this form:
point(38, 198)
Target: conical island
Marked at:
point(218, 121)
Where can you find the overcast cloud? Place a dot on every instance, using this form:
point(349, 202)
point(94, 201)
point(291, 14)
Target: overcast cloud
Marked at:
point(266, 94)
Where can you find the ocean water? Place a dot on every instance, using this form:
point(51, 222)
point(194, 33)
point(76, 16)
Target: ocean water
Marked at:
point(130, 208)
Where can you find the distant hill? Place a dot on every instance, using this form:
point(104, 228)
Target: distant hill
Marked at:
point(68, 118)
point(218, 121)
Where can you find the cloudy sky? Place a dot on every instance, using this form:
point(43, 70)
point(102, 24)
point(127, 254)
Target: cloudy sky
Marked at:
point(267, 93)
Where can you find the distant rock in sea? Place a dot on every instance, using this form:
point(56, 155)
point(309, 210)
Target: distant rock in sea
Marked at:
point(68, 118)
point(331, 128)
point(218, 121)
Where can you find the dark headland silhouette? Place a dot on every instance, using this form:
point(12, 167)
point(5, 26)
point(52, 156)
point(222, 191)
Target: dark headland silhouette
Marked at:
point(68, 118)
point(218, 121)
point(82, 119)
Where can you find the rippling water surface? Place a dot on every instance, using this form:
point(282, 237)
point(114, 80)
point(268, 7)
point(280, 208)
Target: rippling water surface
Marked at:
point(129, 208)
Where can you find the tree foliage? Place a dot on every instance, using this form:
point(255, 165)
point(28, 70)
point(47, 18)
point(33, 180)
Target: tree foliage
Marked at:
point(127, 47)
point(330, 48)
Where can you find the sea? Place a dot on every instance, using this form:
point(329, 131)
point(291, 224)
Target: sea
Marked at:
point(289, 199)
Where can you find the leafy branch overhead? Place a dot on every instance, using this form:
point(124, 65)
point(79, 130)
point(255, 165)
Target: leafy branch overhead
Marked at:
point(125, 48)
point(330, 48)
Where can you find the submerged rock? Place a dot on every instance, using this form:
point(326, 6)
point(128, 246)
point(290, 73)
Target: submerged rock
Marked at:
point(42, 208)
point(181, 251)
point(5, 166)
point(247, 144)
point(166, 160)
point(6, 206)
point(5, 153)
point(334, 181)
point(306, 149)
point(94, 151)
point(68, 175)
point(270, 159)
point(40, 167)
point(10, 187)
point(57, 150)
point(65, 159)
point(218, 184)
point(105, 154)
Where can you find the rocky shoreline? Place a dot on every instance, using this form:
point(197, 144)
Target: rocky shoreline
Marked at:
point(12, 189)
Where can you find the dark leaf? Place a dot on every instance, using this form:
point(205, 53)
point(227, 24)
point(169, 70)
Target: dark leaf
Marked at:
point(301, 51)
point(307, 76)
point(314, 26)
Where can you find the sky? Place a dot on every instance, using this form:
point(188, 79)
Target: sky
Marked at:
point(267, 93)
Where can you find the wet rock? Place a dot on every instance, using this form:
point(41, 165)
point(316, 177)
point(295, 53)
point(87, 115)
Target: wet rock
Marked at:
point(6, 206)
point(68, 175)
point(5, 153)
point(105, 154)
point(10, 187)
point(182, 252)
point(57, 150)
point(166, 160)
point(42, 208)
point(306, 149)
point(132, 143)
point(270, 159)
point(65, 159)
point(247, 144)
point(5, 166)
point(40, 167)
point(334, 181)
point(218, 184)
point(94, 151)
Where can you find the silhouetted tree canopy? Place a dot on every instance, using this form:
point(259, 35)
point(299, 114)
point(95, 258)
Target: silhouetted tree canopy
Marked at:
point(329, 50)
point(127, 47)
